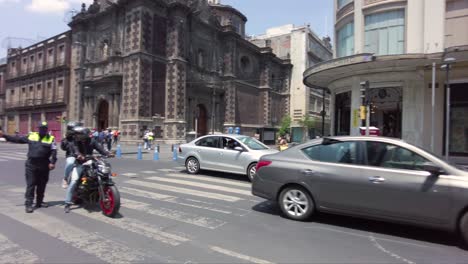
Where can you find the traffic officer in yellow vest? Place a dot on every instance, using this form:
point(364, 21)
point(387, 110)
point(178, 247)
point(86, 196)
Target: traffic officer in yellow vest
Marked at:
point(42, 155)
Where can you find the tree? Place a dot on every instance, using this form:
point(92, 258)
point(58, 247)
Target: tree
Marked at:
point(307, 122)
point(285, 125)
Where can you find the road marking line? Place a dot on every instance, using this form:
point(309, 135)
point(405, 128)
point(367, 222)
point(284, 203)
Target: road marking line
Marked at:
point(202, 185)
point(364, 236)
point(13, 253)
point(142, 193)
point(104, 249)
point(129, 174)
point(210, 179)
point(166, 198)
point(132, 225)
point(170, 188)
point(386, 251)
point(188, 218)
point(148, 172)
point(239, 256)
point(14, 158)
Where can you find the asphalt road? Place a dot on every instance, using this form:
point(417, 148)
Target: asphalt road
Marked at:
point(169, 216)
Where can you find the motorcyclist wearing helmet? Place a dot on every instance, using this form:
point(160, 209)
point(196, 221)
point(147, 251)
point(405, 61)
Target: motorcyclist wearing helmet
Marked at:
point(68, 146)
point(84, 145)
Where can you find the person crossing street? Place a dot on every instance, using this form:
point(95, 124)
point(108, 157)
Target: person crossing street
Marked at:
point(42, 156)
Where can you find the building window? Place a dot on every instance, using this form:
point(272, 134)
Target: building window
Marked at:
point(345, 40)
point(342, 3)
point(246, 66)
point(39, 56)
point(385, 33)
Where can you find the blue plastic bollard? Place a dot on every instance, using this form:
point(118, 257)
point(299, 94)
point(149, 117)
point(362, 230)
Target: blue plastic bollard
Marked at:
point(174, 153)
point(118, 153)
point(156, 154)
point(139, 155)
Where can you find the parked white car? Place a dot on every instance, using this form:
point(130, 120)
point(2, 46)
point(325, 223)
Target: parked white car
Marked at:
point(227, 153)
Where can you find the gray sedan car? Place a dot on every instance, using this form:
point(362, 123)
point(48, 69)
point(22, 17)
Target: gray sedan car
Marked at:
point(371, 177)
point(227, 153)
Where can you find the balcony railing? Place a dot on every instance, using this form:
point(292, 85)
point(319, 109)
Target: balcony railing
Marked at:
point(33, 102)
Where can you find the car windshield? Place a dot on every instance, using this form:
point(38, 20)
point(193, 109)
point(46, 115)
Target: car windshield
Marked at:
point(252, 143)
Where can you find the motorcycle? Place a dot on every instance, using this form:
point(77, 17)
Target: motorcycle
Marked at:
point(95, 185)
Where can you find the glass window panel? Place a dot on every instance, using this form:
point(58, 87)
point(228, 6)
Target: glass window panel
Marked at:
point(384, 33)
point(385, 155)
point(346, 40)
point(341, 152)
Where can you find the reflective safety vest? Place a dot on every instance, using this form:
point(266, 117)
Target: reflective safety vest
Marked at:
point(40, 148)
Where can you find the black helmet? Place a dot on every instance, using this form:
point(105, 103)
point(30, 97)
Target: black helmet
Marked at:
point(81, 130)
point(71, 125)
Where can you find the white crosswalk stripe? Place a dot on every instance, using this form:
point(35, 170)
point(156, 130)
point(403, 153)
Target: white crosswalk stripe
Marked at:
point(167, 198)
point(201, 185)
point(12, 253)
point(206, 222)
point(209, 179)
point(170, 188)
point(91, 243)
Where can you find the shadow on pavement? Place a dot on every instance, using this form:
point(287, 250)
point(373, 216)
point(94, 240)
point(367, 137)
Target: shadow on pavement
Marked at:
point(223, 175)
point(267, 207)
point(371, 226)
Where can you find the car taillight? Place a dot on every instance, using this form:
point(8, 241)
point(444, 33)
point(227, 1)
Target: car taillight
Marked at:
point(262, 163)
point(180, 149)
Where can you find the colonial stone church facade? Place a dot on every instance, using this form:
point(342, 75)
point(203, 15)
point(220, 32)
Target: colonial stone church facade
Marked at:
point(179, 67)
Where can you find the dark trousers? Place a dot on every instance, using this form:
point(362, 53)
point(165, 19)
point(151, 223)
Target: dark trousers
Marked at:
point(109, 144)
point(37, 176)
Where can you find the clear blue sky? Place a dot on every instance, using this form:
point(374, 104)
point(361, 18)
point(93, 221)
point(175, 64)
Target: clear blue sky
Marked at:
point(38, 19)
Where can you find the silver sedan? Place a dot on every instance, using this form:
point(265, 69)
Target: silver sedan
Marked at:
point(227, 153)
point(371, 177)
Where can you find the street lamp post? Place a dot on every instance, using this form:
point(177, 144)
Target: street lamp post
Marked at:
point(448, 62)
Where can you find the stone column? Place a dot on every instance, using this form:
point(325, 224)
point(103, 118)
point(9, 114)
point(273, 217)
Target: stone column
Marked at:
point(116, 110)
point(176, 74)
point(111, 110)
point(229, 104)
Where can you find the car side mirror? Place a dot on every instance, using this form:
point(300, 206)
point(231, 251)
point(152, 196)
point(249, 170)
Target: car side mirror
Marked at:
point(432, 168)
point(239, 149)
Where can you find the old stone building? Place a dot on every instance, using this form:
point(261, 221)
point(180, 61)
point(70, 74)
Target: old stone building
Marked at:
point(36, 85)
point(3, 68)
point(181, 68)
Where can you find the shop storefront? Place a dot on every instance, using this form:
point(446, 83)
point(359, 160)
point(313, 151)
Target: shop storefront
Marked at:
point(400, 95)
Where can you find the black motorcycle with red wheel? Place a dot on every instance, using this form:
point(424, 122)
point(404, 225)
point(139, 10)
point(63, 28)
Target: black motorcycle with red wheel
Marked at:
point(95, 185)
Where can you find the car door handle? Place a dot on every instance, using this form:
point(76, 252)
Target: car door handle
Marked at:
point(376, 179)
point(308, 172)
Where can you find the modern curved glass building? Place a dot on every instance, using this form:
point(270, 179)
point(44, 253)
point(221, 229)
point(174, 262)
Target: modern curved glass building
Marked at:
point(393, 44)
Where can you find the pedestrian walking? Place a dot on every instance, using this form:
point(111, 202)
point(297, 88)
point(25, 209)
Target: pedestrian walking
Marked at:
point(109, 140)
point(116, 136)
point(42, 156)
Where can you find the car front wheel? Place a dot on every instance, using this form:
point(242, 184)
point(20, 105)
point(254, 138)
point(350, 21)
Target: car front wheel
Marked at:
point(251, 171)
point(192, 165)
point(296, 203)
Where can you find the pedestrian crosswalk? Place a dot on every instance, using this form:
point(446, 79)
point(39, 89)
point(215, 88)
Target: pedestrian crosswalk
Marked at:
point(160, 208)
point(6, 155)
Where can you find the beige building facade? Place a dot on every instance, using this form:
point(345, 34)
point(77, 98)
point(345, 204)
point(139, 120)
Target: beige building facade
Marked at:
point(393, 45)
point(305, 49)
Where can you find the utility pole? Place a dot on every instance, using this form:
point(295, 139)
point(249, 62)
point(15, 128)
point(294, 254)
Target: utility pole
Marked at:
point(365, 109)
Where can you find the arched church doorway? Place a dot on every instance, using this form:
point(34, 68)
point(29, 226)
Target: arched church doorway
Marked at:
point(103, 115)
point(201, 120)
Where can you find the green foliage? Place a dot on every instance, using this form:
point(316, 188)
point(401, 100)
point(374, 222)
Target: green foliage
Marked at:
point(285, 125)
point(307, 122)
